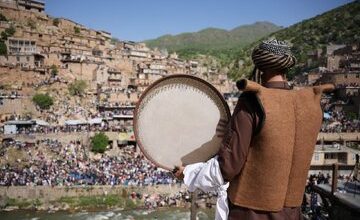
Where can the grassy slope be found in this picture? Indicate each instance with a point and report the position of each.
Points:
(219, 43)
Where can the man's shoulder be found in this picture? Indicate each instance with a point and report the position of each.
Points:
(250, 103)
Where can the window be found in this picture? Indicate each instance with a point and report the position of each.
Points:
(28, 59)
(18, 59)
(328, 156)
(317, 157)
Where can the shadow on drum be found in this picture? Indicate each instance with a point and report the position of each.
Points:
(208, 149)
(203, 153)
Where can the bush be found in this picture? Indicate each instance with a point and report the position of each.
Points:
(31, 24)
(77, 30)
(77, 87)
(10, 30)
(3, 18)
(54, 70)
(3, 48)
(8, 33)
(4, 36)
(99, 142)
(56, 22)
(44, 101)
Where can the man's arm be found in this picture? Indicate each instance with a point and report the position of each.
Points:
(235, 145)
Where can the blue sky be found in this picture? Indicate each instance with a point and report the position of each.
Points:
(146, 19)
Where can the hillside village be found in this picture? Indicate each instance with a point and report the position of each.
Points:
(46, 54)
(95, 80)
(62, 84)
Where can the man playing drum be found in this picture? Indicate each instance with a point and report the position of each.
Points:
(266, 152)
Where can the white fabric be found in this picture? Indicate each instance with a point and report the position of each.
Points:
(75, 122)
(95, 121)
(207, 177)
(41, 122)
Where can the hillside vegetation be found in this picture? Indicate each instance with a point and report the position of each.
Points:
(338, 26)
(220, 43)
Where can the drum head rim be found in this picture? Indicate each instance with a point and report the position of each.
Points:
(148, 89)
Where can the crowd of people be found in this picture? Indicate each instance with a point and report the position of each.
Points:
(344, 85)
(9, 95)
(335, 119)
(183, 196)
(68, 108)
(102, 122)
(47, 82)
(101, 127)
(159, 200)
(71, 165)
(338, 121)
(319, 178)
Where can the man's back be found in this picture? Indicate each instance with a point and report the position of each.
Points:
(280, 155)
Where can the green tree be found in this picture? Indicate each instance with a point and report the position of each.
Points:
(99, 142)
(4, 36)
(77, 30)
(8, 32)
(77, 87)
(3, 48)
(56, 22)
(54, 70)
(44, 101)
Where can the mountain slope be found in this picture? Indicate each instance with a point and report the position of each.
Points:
(338, 26)
(213, 41)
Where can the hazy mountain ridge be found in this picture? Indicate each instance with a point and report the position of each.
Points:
(213, 41)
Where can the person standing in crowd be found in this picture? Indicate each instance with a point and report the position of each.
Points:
(356, 170)
(266, 152)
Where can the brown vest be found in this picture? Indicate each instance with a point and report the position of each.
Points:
(278, 161)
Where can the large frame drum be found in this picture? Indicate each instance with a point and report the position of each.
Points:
(179, 120)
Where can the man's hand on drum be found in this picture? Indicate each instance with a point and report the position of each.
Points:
(178, 172)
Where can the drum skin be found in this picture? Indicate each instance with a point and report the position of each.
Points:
(180, 120)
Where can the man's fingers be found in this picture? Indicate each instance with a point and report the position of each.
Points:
(175, 170)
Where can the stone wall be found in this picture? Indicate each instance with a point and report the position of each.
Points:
(355, 136)
(47, 193)
(13, 13)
